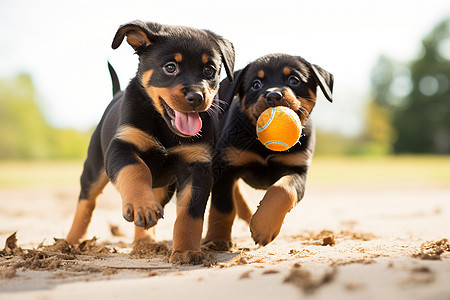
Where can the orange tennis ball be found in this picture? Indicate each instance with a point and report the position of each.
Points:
(278, 128)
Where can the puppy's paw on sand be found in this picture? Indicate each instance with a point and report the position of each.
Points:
(264, 228)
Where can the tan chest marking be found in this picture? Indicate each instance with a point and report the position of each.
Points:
(237, 157)
(298, 159)
(192, 153)
(143, 141)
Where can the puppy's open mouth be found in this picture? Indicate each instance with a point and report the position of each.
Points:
(187, 123)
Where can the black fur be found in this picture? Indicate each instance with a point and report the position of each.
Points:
(157, 46)
(114, 79)
(237, 129)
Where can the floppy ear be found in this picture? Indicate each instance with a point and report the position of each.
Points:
(226, 49)
(228, 89)
(325, 81)
(137, 33)
(227, 52)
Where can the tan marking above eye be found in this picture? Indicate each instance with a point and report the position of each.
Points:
(178, 57)
(286, 71)
(205, 58)
(261, 74)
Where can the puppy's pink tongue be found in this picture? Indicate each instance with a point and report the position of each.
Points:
(188, 123)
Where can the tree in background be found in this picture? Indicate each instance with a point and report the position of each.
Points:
(416, 97)
(378, 134)
(22, 125)
(24, 133)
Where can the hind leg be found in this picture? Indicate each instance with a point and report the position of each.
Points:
(194, 182)
(221, 215)
(92, 183)
(243, 210)
(144, 235)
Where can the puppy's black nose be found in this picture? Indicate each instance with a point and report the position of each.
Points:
(194, 99)
(274, 98)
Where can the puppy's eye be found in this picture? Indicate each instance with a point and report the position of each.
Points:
(293, 80)
(209, 71)
(256, 85)
(170, 68)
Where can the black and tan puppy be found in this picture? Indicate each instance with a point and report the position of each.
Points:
(272, 80)
(158, 134)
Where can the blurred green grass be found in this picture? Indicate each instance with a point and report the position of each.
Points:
(383, 169)
(346, 169)
(39, 173)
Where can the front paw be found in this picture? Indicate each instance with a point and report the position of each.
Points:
(143, 213)
(191, 257)
(264, 227)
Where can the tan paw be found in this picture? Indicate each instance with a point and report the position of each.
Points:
(191, 257)
(144, 214)
(265, 228)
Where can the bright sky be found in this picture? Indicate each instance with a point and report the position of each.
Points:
(65, 45)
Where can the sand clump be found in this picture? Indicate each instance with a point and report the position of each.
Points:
(92, 260)
(59, 255)
(145, 249)
(433, 250)
(10, 246)
(330, 238)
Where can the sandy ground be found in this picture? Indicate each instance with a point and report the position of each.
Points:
(373, 233)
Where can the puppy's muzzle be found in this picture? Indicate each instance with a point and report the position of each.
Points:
(194, 99)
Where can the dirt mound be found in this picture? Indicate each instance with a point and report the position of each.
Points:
(330, 238)
(60, 255)
(146, 249)
(433, 250)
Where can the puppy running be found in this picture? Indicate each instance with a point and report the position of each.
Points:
(157, 135)
(272, 80)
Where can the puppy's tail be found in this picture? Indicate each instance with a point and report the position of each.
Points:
(114, 79)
